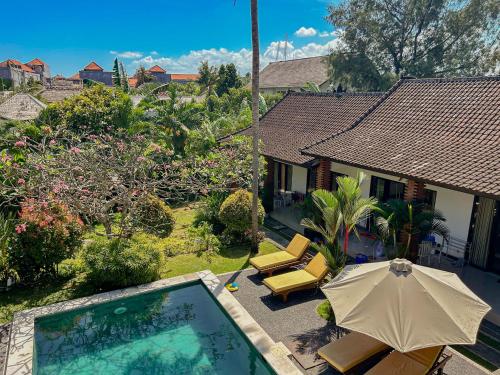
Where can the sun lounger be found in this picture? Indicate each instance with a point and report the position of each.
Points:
(309, 277)
(418, 362)
(351, 350)
(291, 256)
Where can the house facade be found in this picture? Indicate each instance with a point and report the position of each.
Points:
(94, 72)
(16, 73)
(432, 140)
(293, 75)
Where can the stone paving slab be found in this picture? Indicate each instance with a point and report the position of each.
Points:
(298, 318)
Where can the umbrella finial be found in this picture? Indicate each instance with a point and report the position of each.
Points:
(401, 265)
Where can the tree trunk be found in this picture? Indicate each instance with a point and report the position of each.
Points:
(346, 239)
(255, 124)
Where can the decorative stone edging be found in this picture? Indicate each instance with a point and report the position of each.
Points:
(20, 355)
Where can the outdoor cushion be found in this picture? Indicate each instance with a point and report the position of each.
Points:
(350, 350)
(398, 363)
(298, 245)
(272, 260)
(289, 280)
(317, 266)
(426, 356)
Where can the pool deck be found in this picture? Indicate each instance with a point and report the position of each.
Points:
(301, 330)
(20, 350)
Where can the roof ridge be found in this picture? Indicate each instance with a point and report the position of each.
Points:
(361, 118)
(337, 94)
(300, 58)
(452, 79)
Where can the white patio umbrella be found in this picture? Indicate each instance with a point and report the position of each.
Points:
(405, 305)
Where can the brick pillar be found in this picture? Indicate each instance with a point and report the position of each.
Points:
(323, 175)
(414, 191)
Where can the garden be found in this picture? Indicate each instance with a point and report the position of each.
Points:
(98, 194)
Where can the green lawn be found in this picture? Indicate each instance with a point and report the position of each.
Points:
(229, 259)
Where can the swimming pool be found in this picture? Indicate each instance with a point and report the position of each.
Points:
(177, 330)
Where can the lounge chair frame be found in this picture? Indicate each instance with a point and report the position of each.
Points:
(269, 270)
(284, 294)
(441, 361)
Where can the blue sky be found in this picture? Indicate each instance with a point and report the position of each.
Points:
(176, 34)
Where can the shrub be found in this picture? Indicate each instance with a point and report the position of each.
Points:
(154, 216)
(236, 212)
(69, 268)
(204, 241)
(209, 212)
(46, 234)
(118, 263)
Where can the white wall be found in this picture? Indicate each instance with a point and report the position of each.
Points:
(299, 179)
(454, 205)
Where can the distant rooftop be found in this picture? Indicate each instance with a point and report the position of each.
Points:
(295, 73)
(93, 67)
(157, 69)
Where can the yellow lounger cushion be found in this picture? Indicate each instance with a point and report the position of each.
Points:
(317, 266)
(349, 351)
(298, 245)
(418, 362)
(289, 280)
(272, 260)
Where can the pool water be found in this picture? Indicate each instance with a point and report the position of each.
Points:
(181, 330)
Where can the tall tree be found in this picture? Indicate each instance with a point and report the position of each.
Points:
(143, 76)
(208, 76)
(222, 84)
(116, 74)
(382, 39)
(255, 124)
(123, 78)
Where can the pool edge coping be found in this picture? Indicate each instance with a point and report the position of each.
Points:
(20, 346)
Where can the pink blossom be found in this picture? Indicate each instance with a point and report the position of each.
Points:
(21, 181)
(75, 150)
(141, 158)
(52, 142)
(20, 144)
(20, 228)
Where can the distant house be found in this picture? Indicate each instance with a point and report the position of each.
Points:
(159, 74)
(17, 73)
(95, 73)
(40, 68)
(21, 107)
(184, 78)
(293, 75)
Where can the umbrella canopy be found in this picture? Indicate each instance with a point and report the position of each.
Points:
(405, 305)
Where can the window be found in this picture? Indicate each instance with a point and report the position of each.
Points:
(384, 189)
(311, 179)
(333, 180)
(430, 198)
(283, 176)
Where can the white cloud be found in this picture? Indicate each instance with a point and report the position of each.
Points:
(153, 53)
(189, 63)
(305, 32)
(128, 54)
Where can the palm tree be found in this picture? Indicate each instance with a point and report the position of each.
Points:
(352, 205)
(255, 123)
(328, 206)
(412, 220)
(311, 87)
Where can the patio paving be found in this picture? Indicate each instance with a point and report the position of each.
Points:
(297, 321)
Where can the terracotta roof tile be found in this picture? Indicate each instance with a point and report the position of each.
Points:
(93, 67)
(75, 77)
(132, 82)
(35, 62)
(441, 131)
(184, 77)
(22, 66)
(303, 118)
(157, 69)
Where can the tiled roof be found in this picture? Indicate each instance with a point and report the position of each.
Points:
(19, 64)
(93, 67)
(132, 82)
(21, 107)
(303, 118)
(75, 77)
(157, 69)
(294, 73)
(441, 131)
(35, 62)
(184, 77)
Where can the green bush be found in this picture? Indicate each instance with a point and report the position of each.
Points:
(69, 268)
(236, 212)
(154, 216)
(204, 241)
(119, 263)
(46, 234)
(209, 211)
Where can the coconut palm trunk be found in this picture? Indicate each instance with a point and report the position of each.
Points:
(255, 123)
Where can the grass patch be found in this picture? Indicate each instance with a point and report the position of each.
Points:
(229, 259)
(479, 360)
(324, 310)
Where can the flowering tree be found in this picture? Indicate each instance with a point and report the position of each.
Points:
(99, 176)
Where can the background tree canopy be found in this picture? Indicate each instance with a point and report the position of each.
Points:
(382, 39)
